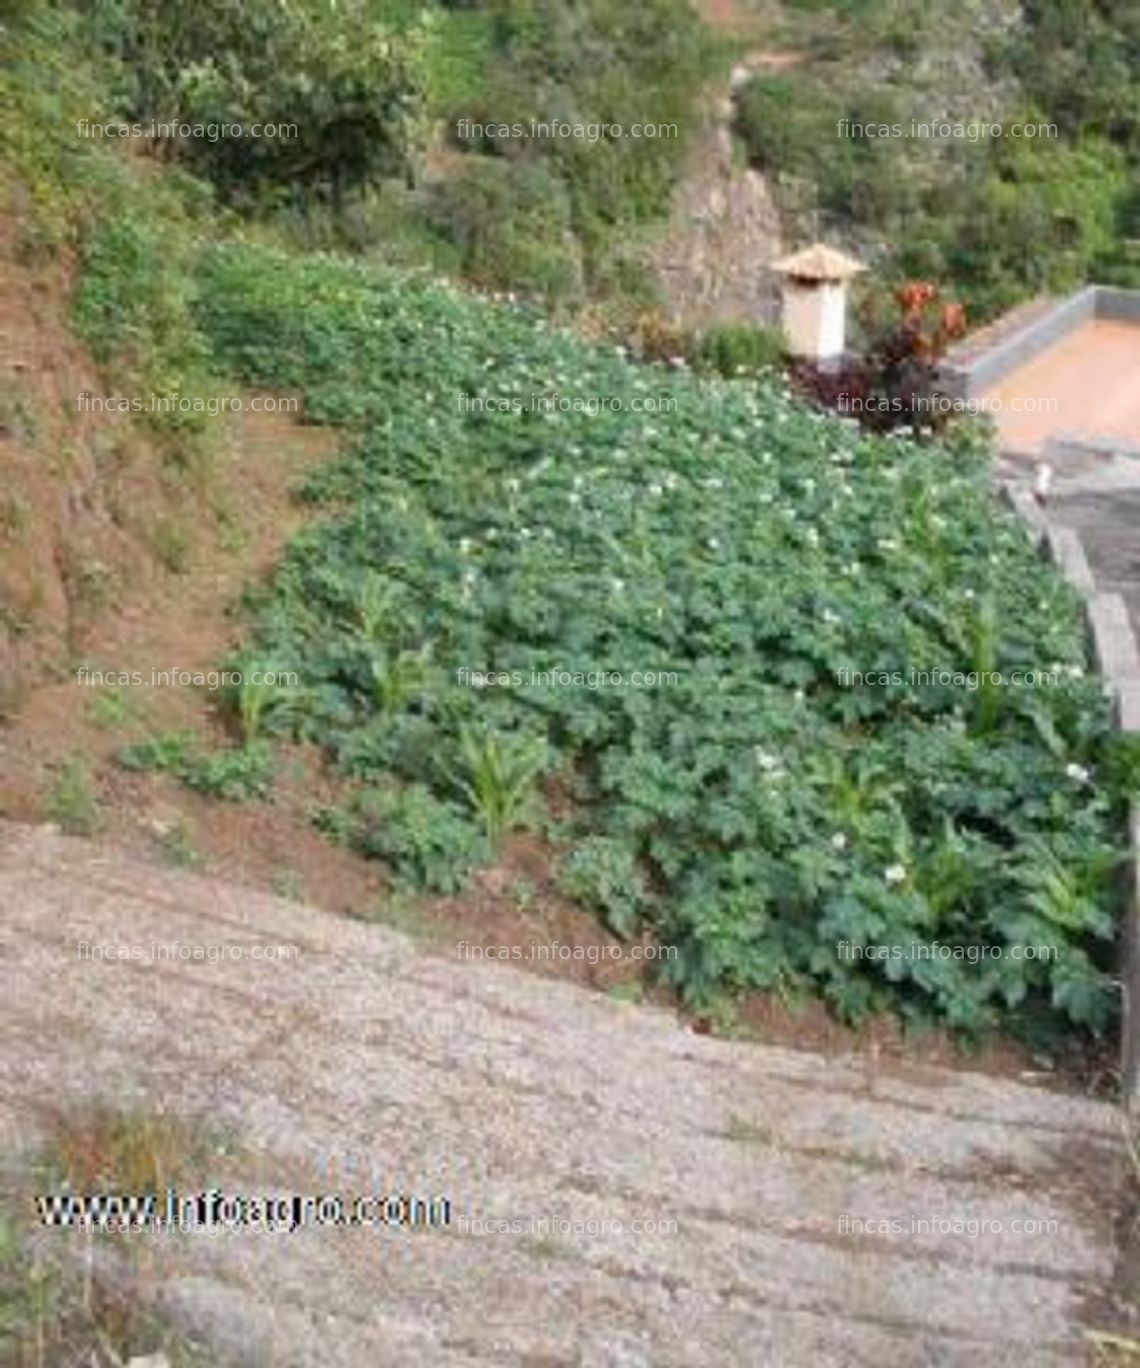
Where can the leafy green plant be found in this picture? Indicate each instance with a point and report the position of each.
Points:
(601, 873)
(338, 93)
(256, 696)
(236, 774)
(732, 349)
(71, 800)
(426, 841)
(498, 777)
(109, 709)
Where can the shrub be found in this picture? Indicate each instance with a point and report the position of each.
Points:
(602, 874)
(732, 349)
(236, 774)
(348, 90)
(426, 840)
(511, 225)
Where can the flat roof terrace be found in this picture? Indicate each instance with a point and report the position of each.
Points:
(1063, 377)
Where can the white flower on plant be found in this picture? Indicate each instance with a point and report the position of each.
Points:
(1075, 672)
(839, 841)
(574, 497)
(655, 488)
(830, 617)
(524, 533)
(1077, 773)
(798, 696)
(967, 593)
(887, 544)
(465, 546)
(812, 536)
(714, 482)
(765, 759)
(894, 874)
(713, 544)
(512, 485)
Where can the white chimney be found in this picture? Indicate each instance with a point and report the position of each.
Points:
(815, 302)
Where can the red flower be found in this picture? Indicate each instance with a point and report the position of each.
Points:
(953, 320)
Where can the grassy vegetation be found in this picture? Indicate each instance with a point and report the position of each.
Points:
(71, 800)
(58, 1303)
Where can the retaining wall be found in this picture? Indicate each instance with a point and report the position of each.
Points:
(968, 379)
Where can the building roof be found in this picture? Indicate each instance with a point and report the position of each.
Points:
(820, 263)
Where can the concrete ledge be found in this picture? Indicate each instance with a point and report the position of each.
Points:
(1114, 644)
(1028, 510)
(1112, 302)
(1128, 705)
(966, 378)
(1068, 555)
(1060, 445)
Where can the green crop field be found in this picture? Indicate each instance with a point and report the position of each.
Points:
(756, 807)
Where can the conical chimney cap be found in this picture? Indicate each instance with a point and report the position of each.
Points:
(818, 263)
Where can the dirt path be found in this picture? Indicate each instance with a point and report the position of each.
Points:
(522, 1100)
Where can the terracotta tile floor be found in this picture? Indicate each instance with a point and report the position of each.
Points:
(1087, 383)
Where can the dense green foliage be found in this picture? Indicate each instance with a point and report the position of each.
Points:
(753, 810)
(340, 92)
(588, 63)
(994, 219)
